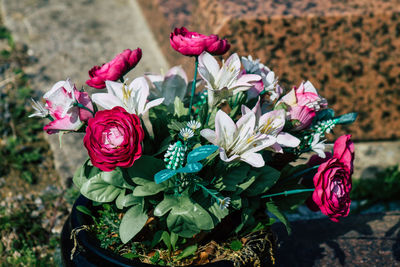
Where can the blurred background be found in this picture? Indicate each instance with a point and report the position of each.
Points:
(349, 50)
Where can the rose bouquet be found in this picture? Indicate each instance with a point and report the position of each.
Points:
(185, 164)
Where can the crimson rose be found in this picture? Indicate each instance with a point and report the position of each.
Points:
(193, 44)
(113, 138)
(333, 181)
(115, 69)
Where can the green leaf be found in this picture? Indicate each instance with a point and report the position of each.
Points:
(346, 118)
(124, 201)
(273, 208)
(165, 205)
(147, 188)
(84, 210)
(84, 172)
(173, 85)
(119, 201)
(163, 175)
(116, 178)
(179, 108)
(266, 178)
(132, 222)
(174, 239)
(166, 239)
(145, 167)
(185, 218)
(236, 245)
(242, 187)
(156, 238)
(188, 251)
(190, 168)
(201, 153)
(97, 189)
(176, 125)
(234, 177)
(164, 145)
(323, 115)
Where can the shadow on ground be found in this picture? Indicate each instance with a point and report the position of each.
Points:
(358, 240)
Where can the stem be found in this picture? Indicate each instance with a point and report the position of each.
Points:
(304, 172)
(79, 105)
(122, 79)
(193, 86)
(290, 192)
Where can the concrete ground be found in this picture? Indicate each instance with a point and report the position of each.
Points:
(67, 38)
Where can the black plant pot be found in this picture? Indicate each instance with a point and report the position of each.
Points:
(87, 249)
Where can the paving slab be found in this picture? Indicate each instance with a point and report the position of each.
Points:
(67, 38)
(357, 240)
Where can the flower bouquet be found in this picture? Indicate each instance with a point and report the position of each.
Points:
(195, 171)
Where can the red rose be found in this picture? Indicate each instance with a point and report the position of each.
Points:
(193, 44)
(333, 181)
(113, 138)
(115, 69)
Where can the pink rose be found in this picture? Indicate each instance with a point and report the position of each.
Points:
(60, 102)
(113, 138)
(115, 69)
(193, 44)
(333, 181)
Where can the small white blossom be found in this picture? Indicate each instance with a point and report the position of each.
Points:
(317, 146)
(224, 203)
(194, 125)
(40, 110)
(186, 133)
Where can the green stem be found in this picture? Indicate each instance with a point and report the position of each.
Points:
(193, 86)
(122, 79)
(79, 105)
(290, 192)
(304, 172)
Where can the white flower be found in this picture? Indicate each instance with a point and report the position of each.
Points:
(194, 125)
(186, 133)
(40, 110)
(269, 80)
(238, 141)
(317, 146)
(272, 123)
(224, 203)
(132, 98)
(226, 81)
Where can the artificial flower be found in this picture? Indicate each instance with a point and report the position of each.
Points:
(40, 110)
(115, 69)
(238, 141)
(186, 133)
(272, 123)
(268, 81)
(113, 139)
(194, 125)
(333, 181)
(132, 98)
(61, 103)
(193, 44)
(226, 81)
(169, 86)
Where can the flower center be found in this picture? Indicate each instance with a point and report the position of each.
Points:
(112, 138)
(337, 188)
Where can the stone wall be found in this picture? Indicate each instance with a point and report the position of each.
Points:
(349, 51)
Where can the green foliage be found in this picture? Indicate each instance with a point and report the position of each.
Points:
(385, 187)
(22, 145)
(185, 218)
(132, 222)
(236, 245)
(188, 251)
(179, 108)
(274, 209)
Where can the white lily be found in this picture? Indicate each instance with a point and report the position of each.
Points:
(225, 81)
(272, 123)
(318, 146)
(132, 98)
(238, 141)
